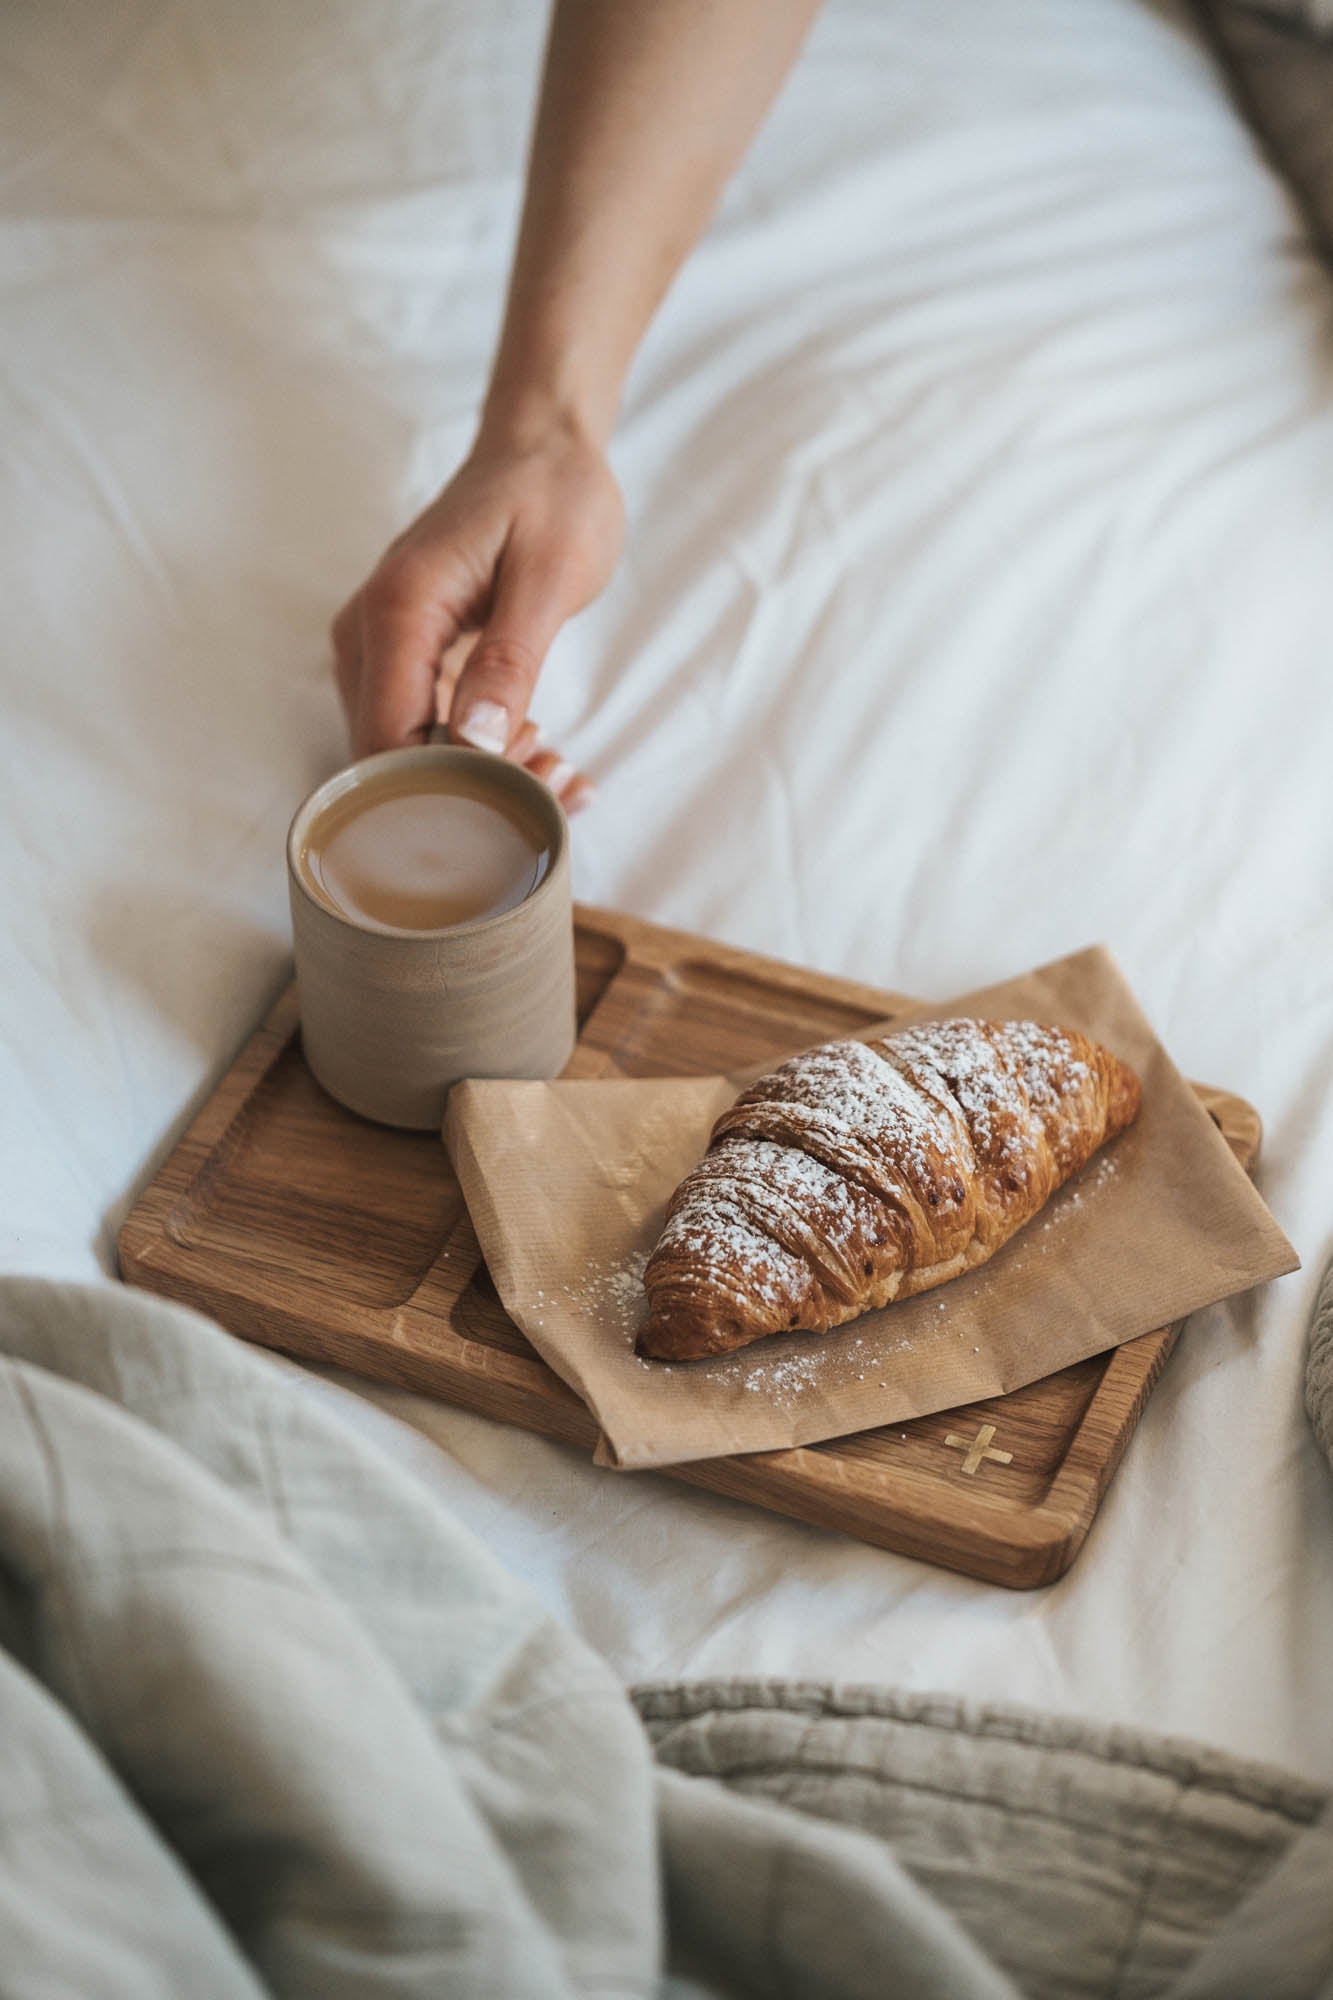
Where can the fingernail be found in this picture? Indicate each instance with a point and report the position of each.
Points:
(486, 727)
(559, 775)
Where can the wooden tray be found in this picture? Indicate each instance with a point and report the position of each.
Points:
(301, 1226)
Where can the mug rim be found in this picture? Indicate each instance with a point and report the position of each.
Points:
(339, 783)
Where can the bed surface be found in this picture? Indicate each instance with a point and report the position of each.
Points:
(979, 472)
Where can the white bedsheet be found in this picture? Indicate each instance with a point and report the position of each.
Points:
(980, 478)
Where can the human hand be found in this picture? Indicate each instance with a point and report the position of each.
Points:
(457, 617)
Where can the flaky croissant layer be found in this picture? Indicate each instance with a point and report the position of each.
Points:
(863, 1172)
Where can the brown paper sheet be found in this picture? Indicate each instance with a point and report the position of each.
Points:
(566, 1185)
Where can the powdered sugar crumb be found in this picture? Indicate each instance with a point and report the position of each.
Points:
(613, 1294)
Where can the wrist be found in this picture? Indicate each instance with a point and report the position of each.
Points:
(529, 419)
(536, 395)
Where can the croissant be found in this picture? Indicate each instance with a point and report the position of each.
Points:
(863, 1172)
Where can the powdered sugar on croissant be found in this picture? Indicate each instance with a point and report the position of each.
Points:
(863, 1172)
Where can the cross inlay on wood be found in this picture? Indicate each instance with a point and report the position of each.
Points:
(979, 1448)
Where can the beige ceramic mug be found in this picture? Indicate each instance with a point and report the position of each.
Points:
(391, 1017)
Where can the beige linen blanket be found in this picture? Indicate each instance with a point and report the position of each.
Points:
(271, 1724)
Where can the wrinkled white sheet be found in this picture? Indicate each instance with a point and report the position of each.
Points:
(980, 476)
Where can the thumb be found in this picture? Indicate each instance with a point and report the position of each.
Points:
(528, 608)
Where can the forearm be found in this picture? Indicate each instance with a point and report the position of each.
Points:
(646, 108)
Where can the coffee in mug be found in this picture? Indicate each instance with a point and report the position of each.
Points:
(424, 849)
(433, 928)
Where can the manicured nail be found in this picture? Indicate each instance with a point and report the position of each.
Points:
(559, 775)
(486, 727)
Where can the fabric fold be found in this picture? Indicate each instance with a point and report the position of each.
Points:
(274, 1725)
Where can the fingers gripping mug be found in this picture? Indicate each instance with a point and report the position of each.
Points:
(433, 929)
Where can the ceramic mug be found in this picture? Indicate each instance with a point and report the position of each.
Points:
(391, 1018)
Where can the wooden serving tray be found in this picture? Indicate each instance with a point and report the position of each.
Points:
(301, 1226)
